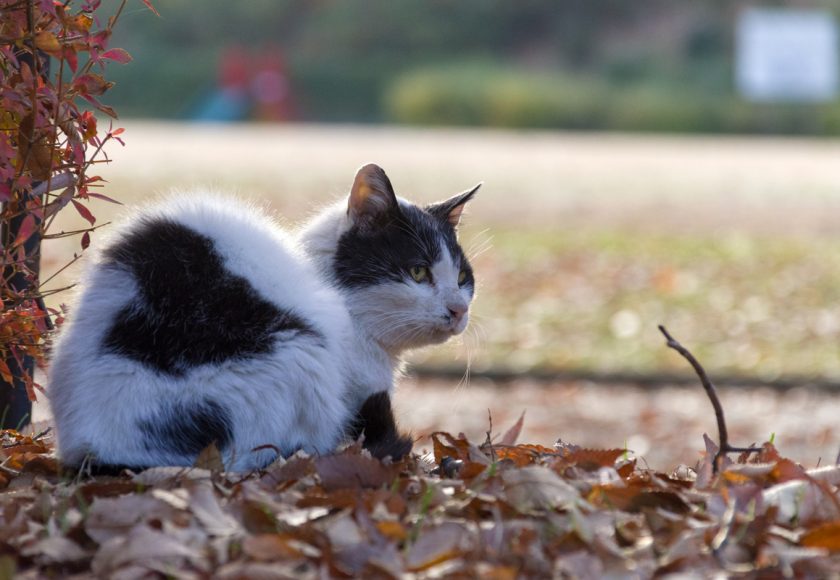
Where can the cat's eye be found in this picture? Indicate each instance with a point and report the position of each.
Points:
(419, 273)
(462, 277)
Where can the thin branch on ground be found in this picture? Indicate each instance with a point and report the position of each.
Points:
(723, 435)
(488, 443)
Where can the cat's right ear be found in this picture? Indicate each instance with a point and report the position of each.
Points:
(372, 198)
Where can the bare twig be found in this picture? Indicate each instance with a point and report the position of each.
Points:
(43, 433)
(723, 435)
(63, 234)
(489, 441)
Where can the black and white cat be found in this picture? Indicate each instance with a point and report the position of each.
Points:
(204, 322)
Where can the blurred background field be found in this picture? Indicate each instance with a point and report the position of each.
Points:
(628, 182)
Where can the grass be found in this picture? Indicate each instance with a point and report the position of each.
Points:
(592, 298)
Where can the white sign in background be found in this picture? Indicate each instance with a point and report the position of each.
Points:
(786, 55)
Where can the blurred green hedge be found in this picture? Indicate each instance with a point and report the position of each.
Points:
(485, 95)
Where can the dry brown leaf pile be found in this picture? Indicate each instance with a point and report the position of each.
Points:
(496, 510)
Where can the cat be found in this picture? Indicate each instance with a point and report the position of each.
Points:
(201, 321)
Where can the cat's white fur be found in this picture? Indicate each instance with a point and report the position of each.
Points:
(302, 394)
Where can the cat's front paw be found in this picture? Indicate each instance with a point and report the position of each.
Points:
(395, 447)
(375, 419)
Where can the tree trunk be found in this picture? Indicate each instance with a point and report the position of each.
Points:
(15, 406)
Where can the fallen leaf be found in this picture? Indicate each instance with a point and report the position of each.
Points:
(205, 507)
(435, 545)
(210, 459)
(106, 488)
(263, 571)
(518, 455)
(823, 536)
(169, 476)
(592, 459)
(110, 517)
(292, 470)
(512, 434)
(800, 501)
(342, 471)
(392, 529)
(148, 548)
(55, 550)
(269, 547)
(634, 499)
(537, 488)
(445, 445)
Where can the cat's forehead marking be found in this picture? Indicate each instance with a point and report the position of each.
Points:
(445, 269)
(414, 237)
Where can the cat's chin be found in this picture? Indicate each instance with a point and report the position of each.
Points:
(431, 337)
(440, 335)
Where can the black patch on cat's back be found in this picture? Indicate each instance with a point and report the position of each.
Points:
(191, 310)
(186, 429)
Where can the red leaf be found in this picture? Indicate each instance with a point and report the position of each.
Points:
(148, 4)
(88, 125)
(117, 55)
(27, 228)
(104, 198)
(47, 6)
(85, 240)
(104, 108)
(5, 372)
(71, 58)
(84, 212)
(91, 84)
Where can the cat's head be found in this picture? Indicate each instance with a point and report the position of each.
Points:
(407, 279)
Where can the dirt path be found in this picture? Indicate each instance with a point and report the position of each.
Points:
(665, 426)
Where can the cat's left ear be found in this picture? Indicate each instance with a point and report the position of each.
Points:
(372, 199)
(451, 209)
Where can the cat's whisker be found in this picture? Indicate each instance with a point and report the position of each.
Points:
(482, 242)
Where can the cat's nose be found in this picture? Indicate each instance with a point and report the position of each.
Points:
(457, 311)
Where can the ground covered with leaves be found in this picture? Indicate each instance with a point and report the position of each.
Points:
(493, 510)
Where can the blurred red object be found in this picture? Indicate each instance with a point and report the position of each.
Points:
(270, 87)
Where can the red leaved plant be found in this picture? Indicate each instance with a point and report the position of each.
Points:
(53, 58)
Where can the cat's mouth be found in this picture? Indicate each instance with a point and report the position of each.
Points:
(450, 327)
